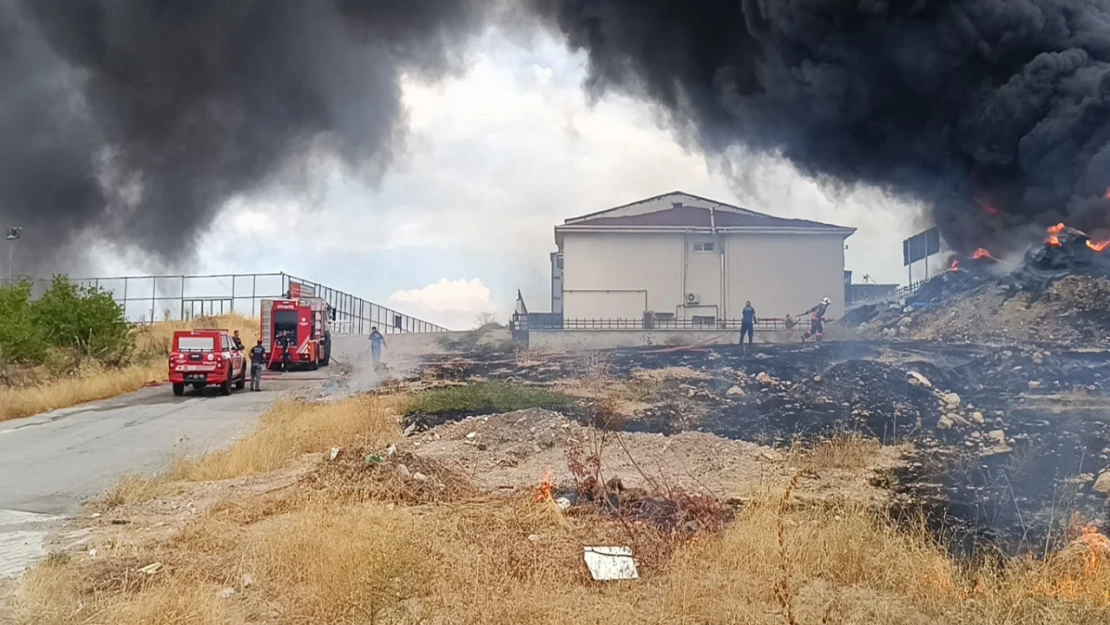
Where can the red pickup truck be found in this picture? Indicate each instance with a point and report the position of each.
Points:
(206, 358)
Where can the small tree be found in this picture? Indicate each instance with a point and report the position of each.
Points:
(85, 319)
(20, 338)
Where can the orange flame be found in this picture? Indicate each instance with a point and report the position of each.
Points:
(990, 210)
(1053, 237)
(982, 253)
(1107, 196)
(546, 489)
(1098, 547)
(955, 266)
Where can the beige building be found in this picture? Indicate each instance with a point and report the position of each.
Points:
(689, 258)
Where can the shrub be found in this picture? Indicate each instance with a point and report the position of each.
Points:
(84, 321)
(20, 338)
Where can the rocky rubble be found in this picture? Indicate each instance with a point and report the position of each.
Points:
(979, 407)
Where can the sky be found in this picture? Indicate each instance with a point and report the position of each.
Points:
(495, 157)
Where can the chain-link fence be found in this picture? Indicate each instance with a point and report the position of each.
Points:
(145, 299)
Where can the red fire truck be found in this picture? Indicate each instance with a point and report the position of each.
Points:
(295, 333)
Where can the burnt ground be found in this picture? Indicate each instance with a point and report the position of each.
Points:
(1007, 442)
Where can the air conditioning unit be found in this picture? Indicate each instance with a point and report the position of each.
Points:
(692, 299)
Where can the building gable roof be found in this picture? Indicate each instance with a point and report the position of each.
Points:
(684, 211)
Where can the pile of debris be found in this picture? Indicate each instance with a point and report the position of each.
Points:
(1055, 295)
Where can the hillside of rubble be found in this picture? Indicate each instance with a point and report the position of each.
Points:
(1070, 311)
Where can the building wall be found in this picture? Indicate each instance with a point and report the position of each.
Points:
(557, 282)
(620, 275)
(703, 277)
(783, 273)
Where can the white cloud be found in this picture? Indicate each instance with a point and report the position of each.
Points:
(455, 304)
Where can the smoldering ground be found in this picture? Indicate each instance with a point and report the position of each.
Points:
(136, 121)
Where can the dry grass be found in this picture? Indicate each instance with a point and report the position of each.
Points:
(315, 555)
(92, 382)
(158, 337)
(317, 561)
(293, 428)
(843, 451)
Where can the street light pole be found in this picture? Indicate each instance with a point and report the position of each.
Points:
(14, 235)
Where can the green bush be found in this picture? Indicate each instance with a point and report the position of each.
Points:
(84, 321)
(20, 338)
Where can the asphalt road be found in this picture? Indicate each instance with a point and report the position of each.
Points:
(51, 463)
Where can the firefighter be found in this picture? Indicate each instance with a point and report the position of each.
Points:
(238, 341)
(377, 341)
(258, 361)
(747, 323)
(285, 342)
(817, 321)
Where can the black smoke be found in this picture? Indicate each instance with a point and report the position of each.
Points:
(995, 112)
(135, 121)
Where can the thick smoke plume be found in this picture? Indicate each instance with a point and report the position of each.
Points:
(136, 120)
(996, 112)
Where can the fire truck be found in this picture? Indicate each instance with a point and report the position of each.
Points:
(295, 333)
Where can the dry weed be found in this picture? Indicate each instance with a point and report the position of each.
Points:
(502, 561)
(848, 450)
(293, 428)
(92, 384)
(360, 475)
(134, 488)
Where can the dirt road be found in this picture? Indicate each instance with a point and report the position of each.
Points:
(51, 463)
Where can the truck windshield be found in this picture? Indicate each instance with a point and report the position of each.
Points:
(196, 344)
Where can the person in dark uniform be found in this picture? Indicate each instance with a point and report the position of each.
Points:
(747, 323)
(817, 320)
(285, 342)
(258, 362)
(238, 341)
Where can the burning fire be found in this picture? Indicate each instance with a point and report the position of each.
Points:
(1098, 245)
(1098, 547)
(1053, 237)
(546, 489)
(982, 253)
(1095, 548)
(955, 265)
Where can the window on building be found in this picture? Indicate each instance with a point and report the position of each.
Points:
(703, 246)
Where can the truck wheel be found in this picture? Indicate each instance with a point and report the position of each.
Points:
(178, 389)
(242, 381)
(314, 366)
(225, 387)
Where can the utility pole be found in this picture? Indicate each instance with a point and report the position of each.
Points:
(14, 235)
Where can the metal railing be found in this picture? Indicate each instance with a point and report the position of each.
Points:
(146, 299)
(526, 322)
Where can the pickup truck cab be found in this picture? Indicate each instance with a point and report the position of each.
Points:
(206, 358)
